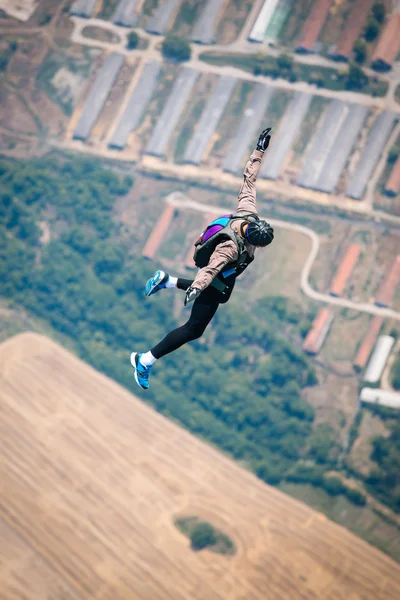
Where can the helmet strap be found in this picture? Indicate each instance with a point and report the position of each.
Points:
(247, 237)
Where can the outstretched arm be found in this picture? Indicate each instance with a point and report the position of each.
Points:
(247, 193)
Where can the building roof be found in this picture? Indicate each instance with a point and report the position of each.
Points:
(322, 143)
(383, 397)
(340, 151)
(388, 287)
(98, 94)
(204, 31)
(137, 104)
(388, 45)
(345, 268)
(163, 14)
(392, 187)
(313, 25)
(352, 29)
(378, 359)
(368, 343)
(248, 128)
(83, 8)
(264, 16)
(318, 332)
(172, 110)
(371, 153)
(282, 141)
(125, 13)
(158, 232)
(209, 119)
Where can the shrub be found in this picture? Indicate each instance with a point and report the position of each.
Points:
(176, 48)
(355, 496)
(203, 535)
(307, 474)
(371, 30)
(378, 11)
(395, 374)
(356, 78)
(133, 40)
(285, 62)
(360, 51)
(333, 485)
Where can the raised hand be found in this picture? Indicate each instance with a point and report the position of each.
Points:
(263, 140)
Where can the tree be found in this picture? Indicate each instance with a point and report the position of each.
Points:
(356, 78)
(378, 11)
(203, 535)
(333, 485)
(133, 40)
(176, 48)
(356, 497)
(360, 51)
(395, 374)
(285, 62)
(392, 156)
(372, 29)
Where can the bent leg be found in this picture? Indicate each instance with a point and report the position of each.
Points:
(184, 284)
(203, 310)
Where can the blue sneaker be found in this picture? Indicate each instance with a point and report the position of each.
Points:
(157, 282)
(141, 372)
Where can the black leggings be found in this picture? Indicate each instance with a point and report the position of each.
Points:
(203, 310)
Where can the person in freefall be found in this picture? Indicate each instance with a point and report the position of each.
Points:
(222, 252)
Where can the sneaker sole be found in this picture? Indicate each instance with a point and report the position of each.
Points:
(149, 293)
(133, 363)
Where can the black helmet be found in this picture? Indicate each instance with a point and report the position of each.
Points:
(259, 233)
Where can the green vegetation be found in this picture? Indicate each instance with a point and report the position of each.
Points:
(360, 51)
(133, 40)
(239, 387)
(332, 484)
(374, 21)
(394, 152)
(176, 48)
(48, 69)
(395, 374)
(384, 481)
(107, 10)
(365, 521)
(101, 33)
(6, 55)
(379, 11)
(351, 78)
(204, 535)
(397, 94)
(186, 17)
(372, 29)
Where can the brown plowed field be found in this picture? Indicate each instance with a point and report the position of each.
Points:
(92, 479)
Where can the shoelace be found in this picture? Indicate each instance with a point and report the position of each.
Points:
(142, 370)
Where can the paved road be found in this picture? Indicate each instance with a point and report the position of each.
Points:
(179, 200)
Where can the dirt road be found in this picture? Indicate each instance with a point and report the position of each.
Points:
(179, 200)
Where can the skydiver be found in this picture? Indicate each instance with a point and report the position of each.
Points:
(223, 251)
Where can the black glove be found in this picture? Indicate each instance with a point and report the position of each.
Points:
(191, 294)
(263, 140)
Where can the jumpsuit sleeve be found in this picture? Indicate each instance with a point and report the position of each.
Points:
(223, 254)
(247, 193)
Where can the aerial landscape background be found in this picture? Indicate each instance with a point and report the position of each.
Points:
(263, 462)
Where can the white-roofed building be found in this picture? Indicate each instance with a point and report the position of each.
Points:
(381, 397)
(378, 359)
(264, 17)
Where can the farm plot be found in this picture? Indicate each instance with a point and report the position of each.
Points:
(110, 476)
